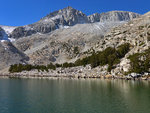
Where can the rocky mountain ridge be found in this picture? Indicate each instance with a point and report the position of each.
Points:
(112, 16)
(69, 17)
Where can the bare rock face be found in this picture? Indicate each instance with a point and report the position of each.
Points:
(10, 55)
(94, 18)
(3, 35)
(113, 16)
(67, 17)
(21, 31)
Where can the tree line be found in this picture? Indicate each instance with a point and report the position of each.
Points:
(140, 62)
(110, 56)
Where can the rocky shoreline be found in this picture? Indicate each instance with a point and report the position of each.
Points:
(19, 76)
(75, 73)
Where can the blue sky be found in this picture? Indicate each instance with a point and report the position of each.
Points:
(22, 12)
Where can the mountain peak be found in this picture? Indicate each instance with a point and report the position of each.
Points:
(65, 11)
(69, 7)
(67, 16)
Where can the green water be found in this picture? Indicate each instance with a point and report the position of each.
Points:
(74, 96)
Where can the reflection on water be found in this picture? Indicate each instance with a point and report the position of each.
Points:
(74, 96)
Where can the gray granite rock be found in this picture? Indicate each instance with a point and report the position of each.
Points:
(70, 17)
(9, 55)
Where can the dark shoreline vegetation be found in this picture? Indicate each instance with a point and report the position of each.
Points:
(140, 62)
(110, 56)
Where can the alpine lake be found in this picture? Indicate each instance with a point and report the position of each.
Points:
(74, 96)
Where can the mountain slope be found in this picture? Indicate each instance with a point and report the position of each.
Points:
(58, 46)
(136, 33)
(9, 55)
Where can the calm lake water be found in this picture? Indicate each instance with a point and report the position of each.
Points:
(74, 96)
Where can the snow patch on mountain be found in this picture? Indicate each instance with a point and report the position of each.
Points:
(4, 34)
(11, 39)
(56, 17)
(8, 29)
(5, 31)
